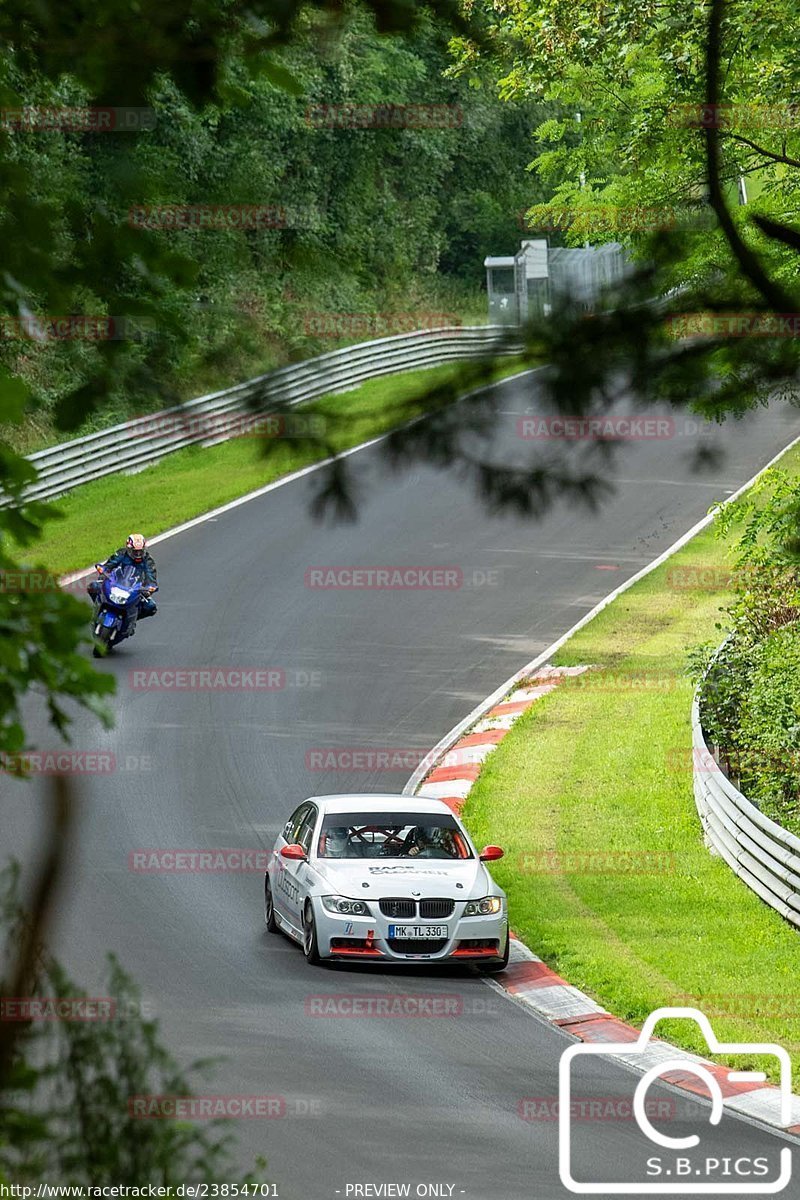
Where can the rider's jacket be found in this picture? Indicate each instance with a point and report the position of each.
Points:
(145, 570)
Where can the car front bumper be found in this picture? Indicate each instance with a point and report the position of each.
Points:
(469, 939)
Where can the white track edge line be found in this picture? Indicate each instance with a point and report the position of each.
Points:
(483, 707)
(213, 513)
(528, 1001)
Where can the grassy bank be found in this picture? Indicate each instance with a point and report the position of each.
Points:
(636, 911)
(255, 349)
(97, 516)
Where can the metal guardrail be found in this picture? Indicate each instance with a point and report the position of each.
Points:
(136, 444)
(764, 855)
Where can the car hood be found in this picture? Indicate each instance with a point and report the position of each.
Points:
(391, 877)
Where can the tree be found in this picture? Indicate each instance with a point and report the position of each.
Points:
(668, 99)
(68, 1088)
(368, 219)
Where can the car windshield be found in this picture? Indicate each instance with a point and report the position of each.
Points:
(391, 835)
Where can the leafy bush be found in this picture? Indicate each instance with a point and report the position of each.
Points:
(66, 1086)
(769, 723)
(750, 694)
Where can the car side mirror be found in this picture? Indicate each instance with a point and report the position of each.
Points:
(490, 853)
(294, 851)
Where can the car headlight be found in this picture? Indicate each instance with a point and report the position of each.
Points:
(350, 908)
(483, 908)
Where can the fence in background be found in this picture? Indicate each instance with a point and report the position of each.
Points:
(136, 444)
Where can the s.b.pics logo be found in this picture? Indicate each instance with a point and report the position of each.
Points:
(690, 1151)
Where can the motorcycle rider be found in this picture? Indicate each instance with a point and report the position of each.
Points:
(133, 554)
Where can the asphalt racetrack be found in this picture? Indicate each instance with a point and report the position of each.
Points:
(366, 1100)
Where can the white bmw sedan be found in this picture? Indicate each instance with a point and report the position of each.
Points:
(385, 879)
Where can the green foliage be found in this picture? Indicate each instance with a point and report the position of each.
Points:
(632, 71)
(368, 221)
(640, 167)
(768, 735)
(64, 1107)
(594, 769)
(750, 696)
(766, 520)
(43, 632)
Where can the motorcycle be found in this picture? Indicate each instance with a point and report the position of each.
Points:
(117, 607)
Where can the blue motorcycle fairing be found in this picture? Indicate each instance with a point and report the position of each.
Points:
(127, 579)
(118, 603)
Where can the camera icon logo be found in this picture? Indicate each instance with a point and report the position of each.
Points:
(675, 1172)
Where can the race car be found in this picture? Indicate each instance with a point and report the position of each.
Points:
(385, 879)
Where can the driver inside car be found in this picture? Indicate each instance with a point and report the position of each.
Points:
(335, 843)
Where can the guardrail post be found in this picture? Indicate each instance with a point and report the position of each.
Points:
(134, 445)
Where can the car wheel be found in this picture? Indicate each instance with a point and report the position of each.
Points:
(493, 968)
(310, 947)
(269, 908)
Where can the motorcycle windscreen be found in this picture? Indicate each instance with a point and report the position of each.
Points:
(126, 577)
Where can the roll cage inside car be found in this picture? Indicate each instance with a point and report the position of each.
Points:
(392, 835)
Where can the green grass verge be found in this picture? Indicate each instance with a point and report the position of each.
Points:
(605, 766)
(98, 516)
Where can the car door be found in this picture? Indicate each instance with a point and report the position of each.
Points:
(283, 880)
(298, 872)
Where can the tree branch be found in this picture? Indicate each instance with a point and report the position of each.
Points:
(781, 233)
(781, 158)
(38, 914)
(750, 264)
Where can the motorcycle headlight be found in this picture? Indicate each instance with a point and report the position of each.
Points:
(483, 908)
(340, 904)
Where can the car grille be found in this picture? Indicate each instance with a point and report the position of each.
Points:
(398, 908)
(416, 945)
(402, 909)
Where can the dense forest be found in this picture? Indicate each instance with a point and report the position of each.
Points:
(281, 219)
(231, 200)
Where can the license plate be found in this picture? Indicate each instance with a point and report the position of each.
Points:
(418, 931)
